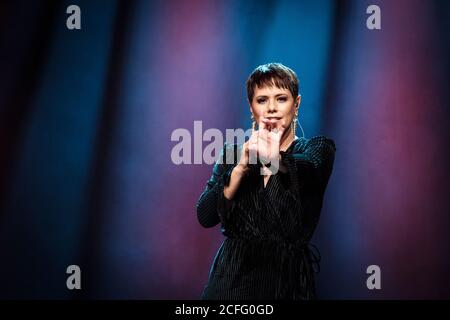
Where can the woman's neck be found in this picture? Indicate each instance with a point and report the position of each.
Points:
(287, 140)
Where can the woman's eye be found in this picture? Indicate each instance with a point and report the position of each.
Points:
(260, 101)
(282, 99)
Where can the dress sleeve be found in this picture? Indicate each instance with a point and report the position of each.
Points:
(311, 167)
(212, 206)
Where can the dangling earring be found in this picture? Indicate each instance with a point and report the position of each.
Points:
(253, 122)
(294, 122)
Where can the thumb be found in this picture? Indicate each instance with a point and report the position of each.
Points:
(279, 131)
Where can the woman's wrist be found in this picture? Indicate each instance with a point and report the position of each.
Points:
(237, 174)
(239, 170)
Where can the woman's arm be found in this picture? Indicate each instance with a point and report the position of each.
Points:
(241, 170)
(308, 174)
(236, 177)
(212, 206)
(313, 166)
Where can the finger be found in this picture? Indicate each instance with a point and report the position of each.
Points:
(262, 125)
(281, 128)
(254, 137)
(252, 153)
(279, 131)
(253, 141)
(243, 153)
(245, 147)
(273, 123)
(268, 123)
(262, 134)
(246, 153)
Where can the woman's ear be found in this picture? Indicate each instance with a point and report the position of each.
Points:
(250, 107)
(298, 101)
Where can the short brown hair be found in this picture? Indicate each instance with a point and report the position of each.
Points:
(272, 74)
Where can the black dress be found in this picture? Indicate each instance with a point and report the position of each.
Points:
(266, 252)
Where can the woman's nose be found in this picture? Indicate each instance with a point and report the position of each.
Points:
(272, 105)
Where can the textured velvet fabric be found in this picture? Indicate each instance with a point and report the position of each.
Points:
(266, 253)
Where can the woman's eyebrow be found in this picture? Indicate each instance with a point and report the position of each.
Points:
(279, 94)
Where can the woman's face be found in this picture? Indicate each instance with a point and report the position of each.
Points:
(276, 104)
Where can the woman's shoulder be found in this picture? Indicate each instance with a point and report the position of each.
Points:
(320, 141)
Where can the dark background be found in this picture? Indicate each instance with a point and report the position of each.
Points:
(86, 117)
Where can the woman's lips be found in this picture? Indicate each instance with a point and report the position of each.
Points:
(272, 122)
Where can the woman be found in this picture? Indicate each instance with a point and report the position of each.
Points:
(268, 219)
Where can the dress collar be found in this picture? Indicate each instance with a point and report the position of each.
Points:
(292, 145)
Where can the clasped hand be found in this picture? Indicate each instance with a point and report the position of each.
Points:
(264, 144)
